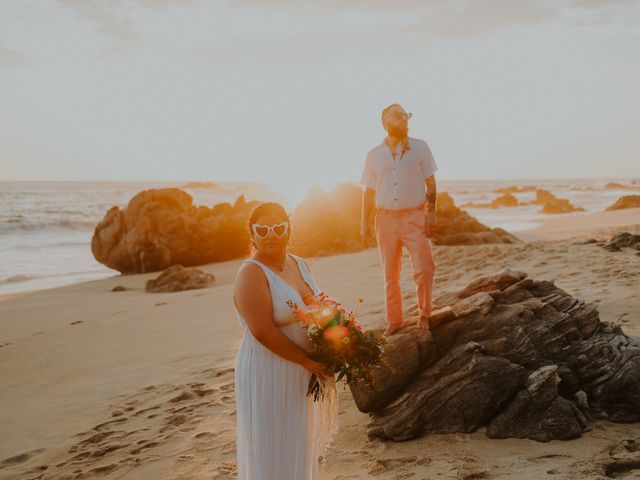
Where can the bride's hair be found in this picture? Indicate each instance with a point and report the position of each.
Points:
(264, 209)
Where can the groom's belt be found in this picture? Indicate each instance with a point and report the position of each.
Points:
(401, 211)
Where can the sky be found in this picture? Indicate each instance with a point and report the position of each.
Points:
(289, 93)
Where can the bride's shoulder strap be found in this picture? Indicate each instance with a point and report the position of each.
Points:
(260, 264)
(301, 261)
(304, 268)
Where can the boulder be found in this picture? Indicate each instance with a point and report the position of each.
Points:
(329, 223)
(626, 201)
(505, 200)
(622, 240)
(621, 186)
(457, 227)
(539, 412)
(551, 204)
(177, 278)
(520, 356)
(162, 227)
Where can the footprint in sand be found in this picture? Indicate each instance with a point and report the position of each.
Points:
(20, 458)
(381, 465)
(547, 456)
(198, 413)
(205, 436)
(145, 410)
(469, 475)
(76, 322)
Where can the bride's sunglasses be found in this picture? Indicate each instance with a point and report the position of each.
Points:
(279, 229)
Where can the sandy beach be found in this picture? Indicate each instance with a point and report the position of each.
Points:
(133, 385)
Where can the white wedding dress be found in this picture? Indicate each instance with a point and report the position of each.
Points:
(280, 431)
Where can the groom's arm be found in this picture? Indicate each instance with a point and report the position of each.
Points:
(368, 200)
(368, 204)
(430, 185)
(430, 213)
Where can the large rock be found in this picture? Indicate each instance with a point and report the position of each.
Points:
(622, 240)
(505, 200)
(538, 412)
(177, 278)
(329, 223)
(518, 355)
(406, 353)
(552, 204)
(457, 227)
(622, 186)
(162, 227)
(626, 201)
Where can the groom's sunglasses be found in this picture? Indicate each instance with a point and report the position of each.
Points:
(279, 229)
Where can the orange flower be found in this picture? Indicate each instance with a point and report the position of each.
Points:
(336, 334)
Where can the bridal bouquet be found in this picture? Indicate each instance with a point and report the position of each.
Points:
(338, 341)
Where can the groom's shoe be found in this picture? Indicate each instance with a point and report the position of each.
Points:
(391, 329)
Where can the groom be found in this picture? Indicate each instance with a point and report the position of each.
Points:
(395, 175)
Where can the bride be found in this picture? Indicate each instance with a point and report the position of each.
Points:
(280, 431)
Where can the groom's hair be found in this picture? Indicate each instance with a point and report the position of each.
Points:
(384, 112)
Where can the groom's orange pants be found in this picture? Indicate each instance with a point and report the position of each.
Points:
(395, 228)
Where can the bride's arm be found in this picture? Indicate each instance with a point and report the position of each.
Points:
(253, 300)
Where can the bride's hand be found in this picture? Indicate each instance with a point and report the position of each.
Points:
(319, 368)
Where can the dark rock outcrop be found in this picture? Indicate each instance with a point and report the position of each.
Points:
(520, 356)
(539, 413)
(177, 278)
(622, 240)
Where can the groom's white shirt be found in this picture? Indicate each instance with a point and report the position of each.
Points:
(399, 182)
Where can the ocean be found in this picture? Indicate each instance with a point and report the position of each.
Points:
(46, 227)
